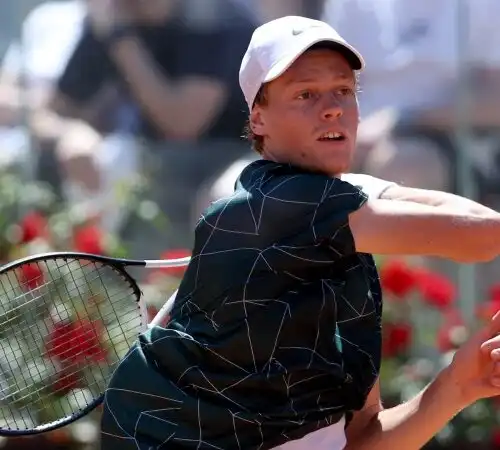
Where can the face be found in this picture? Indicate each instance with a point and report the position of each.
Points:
(310, 117)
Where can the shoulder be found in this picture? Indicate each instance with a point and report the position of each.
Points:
(291, 185)
(55, 12)
(52, 16)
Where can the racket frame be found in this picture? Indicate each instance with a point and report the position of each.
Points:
(120, 265)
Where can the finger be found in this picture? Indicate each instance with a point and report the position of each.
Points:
(490, 345)
(495, 354)
(494, 325)
(495, 381)
(490, 330)
(496, 369)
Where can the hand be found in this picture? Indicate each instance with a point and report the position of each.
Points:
(475, 368)
(104, 15)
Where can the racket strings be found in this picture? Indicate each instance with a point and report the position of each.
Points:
(132, 312)
(64, 325)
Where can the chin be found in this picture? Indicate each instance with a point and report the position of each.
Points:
(336, 163)
(335, 170)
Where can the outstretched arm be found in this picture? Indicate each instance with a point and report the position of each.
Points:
(388, 190)
(434, 198)
(446, 230)
(473, 374)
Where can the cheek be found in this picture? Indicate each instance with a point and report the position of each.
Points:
(299, 122)
(286, 127)
(351, 111)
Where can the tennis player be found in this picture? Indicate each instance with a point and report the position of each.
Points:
(275, 337)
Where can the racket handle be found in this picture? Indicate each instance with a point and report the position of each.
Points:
(164, 311)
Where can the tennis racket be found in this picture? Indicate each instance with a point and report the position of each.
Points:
(66, 321)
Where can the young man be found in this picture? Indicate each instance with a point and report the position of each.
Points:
(275, 335)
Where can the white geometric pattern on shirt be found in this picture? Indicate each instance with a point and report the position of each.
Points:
(213, 306)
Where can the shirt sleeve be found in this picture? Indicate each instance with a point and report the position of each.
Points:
(373, 187)
(88, 68)
(217, 53)
(279, 220)
(304, 210)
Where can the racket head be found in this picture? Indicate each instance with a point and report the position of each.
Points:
(66, 321)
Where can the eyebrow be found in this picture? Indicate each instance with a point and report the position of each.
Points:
(339, 76)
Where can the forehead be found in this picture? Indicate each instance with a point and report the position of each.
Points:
(318, 64)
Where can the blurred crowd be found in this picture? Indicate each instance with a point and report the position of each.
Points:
(165, 102)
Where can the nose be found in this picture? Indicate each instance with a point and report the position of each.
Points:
(331, 108)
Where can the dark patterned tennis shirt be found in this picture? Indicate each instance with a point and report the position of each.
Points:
(276, 329)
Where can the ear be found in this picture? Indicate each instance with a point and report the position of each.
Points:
(257, 121)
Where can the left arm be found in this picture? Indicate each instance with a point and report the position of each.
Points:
(409, 425)
(473, 374)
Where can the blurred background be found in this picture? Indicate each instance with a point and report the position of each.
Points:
(118, 152)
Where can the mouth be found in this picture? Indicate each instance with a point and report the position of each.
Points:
(333, 136)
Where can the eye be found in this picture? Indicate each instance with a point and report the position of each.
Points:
(305, 95)
(346, 91)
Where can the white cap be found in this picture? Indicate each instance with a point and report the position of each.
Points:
(276, 45)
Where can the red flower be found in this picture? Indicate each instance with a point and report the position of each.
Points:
(436, 289)
(33, 226)
(397, 278)
(175, 254)
(30, 276)
(396, 339)
(74, 342)
(88, 239)
(494, 292)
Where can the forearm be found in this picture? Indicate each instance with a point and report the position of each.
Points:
(437, 198)
(395, 227)
(153, 90)
(412, 424)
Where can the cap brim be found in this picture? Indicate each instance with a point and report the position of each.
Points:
(354, 58)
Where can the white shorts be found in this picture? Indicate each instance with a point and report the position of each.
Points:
(328, 438)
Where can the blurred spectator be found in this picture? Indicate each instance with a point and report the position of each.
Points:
(11, 20)
(48, 37)
(410, 50)
(174, 72)
(177, 79)
(412, 53)
(28, 72)
(414, 69)
(266, 10)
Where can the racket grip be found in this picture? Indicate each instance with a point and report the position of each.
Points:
(163, 312)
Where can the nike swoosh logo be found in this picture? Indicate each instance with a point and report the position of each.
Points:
(297, 32)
